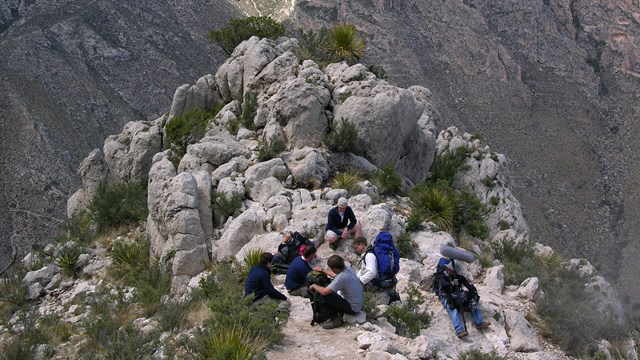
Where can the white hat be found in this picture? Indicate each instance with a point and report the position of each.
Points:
(342, 202)
(449, 265)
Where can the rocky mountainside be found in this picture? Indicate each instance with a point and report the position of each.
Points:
(552, 84)
(78, 304)
(73, 72)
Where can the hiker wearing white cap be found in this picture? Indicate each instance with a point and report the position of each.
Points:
(341, 222)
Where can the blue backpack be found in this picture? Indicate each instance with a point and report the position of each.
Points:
(388, 259)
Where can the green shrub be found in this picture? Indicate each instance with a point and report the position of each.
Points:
(408, 319)
(348, 180)
(251, 259)
(272, 148)
(519, 261)
(387, 180)
(479, 355)
(12, 295)
(345, 43)
(312, 45)
(237, 30)
(119, 204)
(225, 294)
(128, 260)
(404, 245)
(495, 200)
(414, 220)
(435, 205)
(77, 229)
(67, 260)
(224, 205)
(378, 71)
(182, 131)
(488, 182)
(343, 138)
(370, 306)
(249, 110)
(23, 345)
(172, 314)
(470, 214)
(232, 343)
(447, 164)
(503, 225)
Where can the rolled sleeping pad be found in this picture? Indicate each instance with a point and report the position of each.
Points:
(457, 253)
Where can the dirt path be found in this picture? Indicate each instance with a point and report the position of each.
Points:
(303, 341)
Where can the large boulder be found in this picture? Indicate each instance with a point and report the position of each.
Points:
(203, 95)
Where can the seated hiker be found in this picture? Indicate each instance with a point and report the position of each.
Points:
(370, 276)
(344, 295)
(448, 287)
(259, 284)
(341, 222)
(296, 280)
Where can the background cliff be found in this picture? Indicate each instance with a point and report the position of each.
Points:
(552, 84)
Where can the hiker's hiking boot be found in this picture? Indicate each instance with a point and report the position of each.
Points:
(336, 322)
(483, 325)
(462, 334)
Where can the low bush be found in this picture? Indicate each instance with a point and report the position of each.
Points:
(271, 148)
(312, 46)
(348, 180)
(182, 131)
(405, 246)
(447, 164)
(12, 295)
(224, 205)
(249, 110)
(479, 355)
(387, 180)
(119, 204)
(343, 138)
(77, 228)
(239, 29)
(409, 319)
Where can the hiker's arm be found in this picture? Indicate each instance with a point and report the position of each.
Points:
(352, 218)
(324, 291)
(370, 270)
(328, 272)
(270, 290)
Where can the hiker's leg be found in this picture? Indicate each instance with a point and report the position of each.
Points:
(331, 236)
(356, 231)
(453, 314)
(296, 292)
(338, 303)
(476, 314)
(284, 306)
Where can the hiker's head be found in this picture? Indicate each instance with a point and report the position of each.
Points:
(360, 245)
(449, 268)
(342, 204)
(335, 263)
(309, 252)
(266, 258)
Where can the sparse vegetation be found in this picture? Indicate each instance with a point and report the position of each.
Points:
(348, 180)
(404, 245)
(479, 355)
(249, 110)
(343, 138)
(189, 128)
(119, 204)
(312, 46)
(237, 30)
(409, 318)
(447, 164)
(378, 71)
(225, 205)
(271, 148)
(387, 180)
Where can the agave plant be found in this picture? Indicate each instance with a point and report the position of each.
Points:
(345, 43)
(437, 206)
(348, 180)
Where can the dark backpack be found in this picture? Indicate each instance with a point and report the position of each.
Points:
(292, 246)
(388, 260)
(321, 312)
(440, 272)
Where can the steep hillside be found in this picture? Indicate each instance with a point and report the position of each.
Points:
(552, 84)
(73, 72)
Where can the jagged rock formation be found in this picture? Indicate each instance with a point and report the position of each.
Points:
(180, 220)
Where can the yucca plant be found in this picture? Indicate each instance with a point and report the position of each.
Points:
(67, 260)
(387, 180)
(251, 259)
(312, 46)
(129, 259)
(345, 43)
(447, 164)
(437, 206)
(348, 180)
(231, 343)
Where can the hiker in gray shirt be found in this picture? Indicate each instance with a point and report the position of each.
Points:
(344, 295)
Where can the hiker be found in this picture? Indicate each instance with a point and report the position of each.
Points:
(296, 280)
(344, 295)
(455, 300)
(369, 275)
(341, 222)
(259, 284)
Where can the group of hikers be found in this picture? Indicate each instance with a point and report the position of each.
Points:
(344, 293)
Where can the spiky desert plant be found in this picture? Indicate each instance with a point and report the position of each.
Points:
(387, 180)
(345, 43)
(348, 180)
(437, 206)
(233, 343)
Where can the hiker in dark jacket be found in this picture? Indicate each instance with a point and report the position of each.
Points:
(259, 284)
(454, 299)
(296, 280)
(341, 222)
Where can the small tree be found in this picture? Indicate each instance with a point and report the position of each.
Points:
(237, 30)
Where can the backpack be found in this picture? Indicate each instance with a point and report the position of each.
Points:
(388, 260)
(292, 246)
(321, 312)
(440, 272)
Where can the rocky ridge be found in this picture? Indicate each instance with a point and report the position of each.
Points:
(179, 218)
